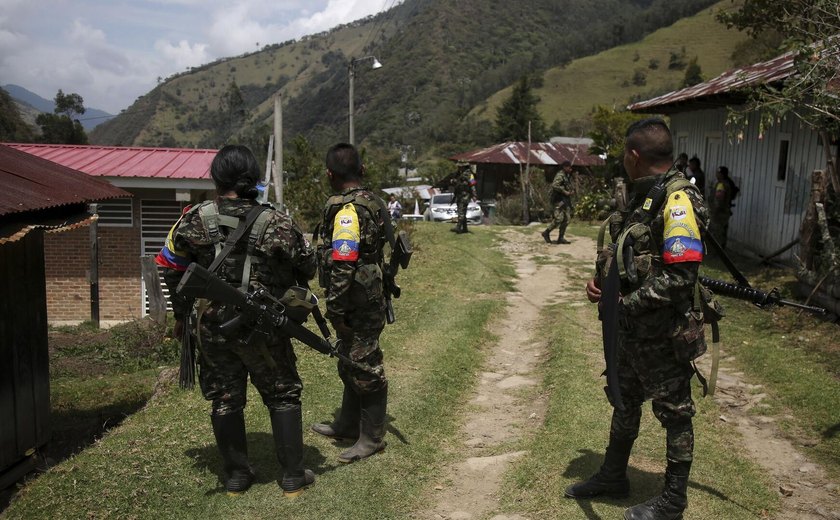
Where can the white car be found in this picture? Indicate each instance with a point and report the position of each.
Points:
(442, 208)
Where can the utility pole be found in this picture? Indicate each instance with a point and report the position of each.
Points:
(278, 152)
(352, 75)
(526, 181)
(94, 267)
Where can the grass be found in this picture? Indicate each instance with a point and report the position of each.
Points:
(570, 92)
(162, 461)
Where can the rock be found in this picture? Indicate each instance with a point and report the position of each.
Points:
(786, 490)
(766, 420)
(723, 418)
(532, 416)
(474, 443)
(438, 488)
(831, 486)
(807, 467)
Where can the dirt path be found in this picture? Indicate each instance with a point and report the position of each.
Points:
(506, 404)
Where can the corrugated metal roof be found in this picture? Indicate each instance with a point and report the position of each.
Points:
(731, 81)
(31, 183)
(117, 161)
(540, 154)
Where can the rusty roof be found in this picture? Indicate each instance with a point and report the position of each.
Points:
(31, 183)
(134, 161)
(516, 152)
(708, 93)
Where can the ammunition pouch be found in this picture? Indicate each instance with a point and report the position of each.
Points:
(367, 285)
(298, 302)
(691, 342)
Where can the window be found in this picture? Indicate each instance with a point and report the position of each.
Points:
(781, 172)
(116, 213)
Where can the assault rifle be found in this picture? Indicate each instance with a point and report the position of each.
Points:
(400, 257)
(261, 313)
(756, 296)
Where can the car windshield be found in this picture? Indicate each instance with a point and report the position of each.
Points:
(445, 198)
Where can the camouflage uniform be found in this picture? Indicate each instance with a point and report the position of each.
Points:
(561, 198)
(351, 267)
(279, 258)
(463, 186)
(657, 333)
(721, 210)
(353, 287)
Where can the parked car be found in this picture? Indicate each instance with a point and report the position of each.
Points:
(442, 208)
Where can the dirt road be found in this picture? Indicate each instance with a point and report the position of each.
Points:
(507, 405)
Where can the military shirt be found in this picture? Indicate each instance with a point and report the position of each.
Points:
(561, 188)
(667, 253)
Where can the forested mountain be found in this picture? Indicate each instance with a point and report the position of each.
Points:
(440, 57)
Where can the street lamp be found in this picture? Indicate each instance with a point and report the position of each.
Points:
(352, 73)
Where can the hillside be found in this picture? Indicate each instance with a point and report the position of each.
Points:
(440, 59)
(569, 93)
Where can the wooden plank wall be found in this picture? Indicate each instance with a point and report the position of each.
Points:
(767, 213)
(24, 363)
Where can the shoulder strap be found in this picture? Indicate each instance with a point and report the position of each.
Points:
(234, 237)
(209, 214)
(257, 231)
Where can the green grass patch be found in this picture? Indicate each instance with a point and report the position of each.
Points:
(162, 461)
(570, 445)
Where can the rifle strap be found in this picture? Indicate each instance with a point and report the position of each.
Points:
(257, 230)
(739, 277)
(703, 382)
(234, 237)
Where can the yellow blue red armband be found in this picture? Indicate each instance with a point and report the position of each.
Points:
(681, 241)
(170, 257)
(345, 237)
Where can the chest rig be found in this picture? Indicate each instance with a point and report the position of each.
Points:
(236, 265)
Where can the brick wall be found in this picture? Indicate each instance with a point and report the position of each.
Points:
(67, 259)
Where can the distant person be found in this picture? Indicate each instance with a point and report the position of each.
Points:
(463, 186)
(681, 164)
(273, 257)
(394, 208)
(657, 338)
(722, 204)
(696, 174)
(561, 199)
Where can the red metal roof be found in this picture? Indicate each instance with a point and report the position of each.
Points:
(30, 183)
(540, 154)
(117, 161)
(731, 81)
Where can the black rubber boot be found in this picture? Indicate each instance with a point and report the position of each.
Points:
(346, 425)
(371, 428)
(562, 240)
(229, 430)
(611, 479)
(288, 442)
(673, 500)
(546, 236)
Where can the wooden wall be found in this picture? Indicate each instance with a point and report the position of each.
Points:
(24, 363)
(767, 212)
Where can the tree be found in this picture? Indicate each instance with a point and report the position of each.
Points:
(608, 136)
(60, 127)
(69, 104)
(516, 112)
(693, 73)
(235, 106)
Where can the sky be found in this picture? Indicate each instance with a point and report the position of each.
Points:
(112, 51)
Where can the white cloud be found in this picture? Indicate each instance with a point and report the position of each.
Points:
(111, 52)
(182, 55)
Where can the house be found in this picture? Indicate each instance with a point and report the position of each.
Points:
(39, 199)
(500, 165)
(773, 169)
(161, 181)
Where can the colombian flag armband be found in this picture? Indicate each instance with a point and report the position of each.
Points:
(345, 236)
(169, 256)
(681, 241)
